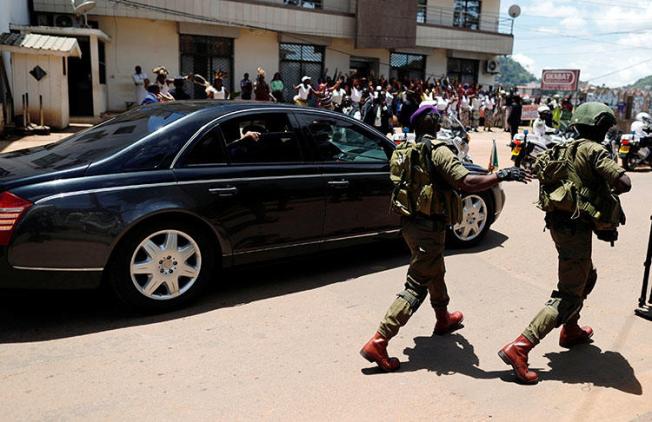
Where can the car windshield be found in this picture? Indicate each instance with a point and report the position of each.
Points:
(103, 140)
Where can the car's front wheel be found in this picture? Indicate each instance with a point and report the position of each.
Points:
(476, 220)
(161, 266)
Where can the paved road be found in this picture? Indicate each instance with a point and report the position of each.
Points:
(281, 342)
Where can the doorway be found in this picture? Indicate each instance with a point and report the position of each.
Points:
(364, 67)
(80, 82)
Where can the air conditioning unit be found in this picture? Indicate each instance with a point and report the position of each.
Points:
(492, 66)
(65, 21)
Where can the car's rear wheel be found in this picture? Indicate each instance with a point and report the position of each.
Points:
(476, 220)
(162, 266)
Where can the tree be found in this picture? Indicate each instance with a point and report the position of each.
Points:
(512, 73)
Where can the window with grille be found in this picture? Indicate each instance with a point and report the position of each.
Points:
(297, 61)
(467, 14)
(407, 66)
(463, 71)
(204, 56)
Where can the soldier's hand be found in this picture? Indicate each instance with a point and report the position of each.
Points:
(514, 174)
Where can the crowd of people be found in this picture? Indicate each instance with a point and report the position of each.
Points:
(383, 103)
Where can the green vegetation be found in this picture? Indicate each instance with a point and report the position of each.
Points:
(512, 73)
(642, 83)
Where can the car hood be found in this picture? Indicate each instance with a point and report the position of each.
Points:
(36, 165)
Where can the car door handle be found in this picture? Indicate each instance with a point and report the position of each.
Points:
(224, 192)
(339, 184)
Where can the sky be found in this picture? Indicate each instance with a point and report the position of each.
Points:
(609, 41)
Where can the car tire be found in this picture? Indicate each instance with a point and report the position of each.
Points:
(478, 212)
(162, 266)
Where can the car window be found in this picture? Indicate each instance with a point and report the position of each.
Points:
(278, 141)
(209, 150)
(338, 140)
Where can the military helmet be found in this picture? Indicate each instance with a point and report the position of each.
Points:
(593, 114)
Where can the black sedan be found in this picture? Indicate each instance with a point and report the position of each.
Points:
(156, 200)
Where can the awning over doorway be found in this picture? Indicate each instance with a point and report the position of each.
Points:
(39, 44)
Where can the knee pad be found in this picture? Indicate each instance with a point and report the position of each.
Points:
(414, 296)
(567, 306)
(590, 282)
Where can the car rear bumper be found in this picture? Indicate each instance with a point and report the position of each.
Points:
(12, 278)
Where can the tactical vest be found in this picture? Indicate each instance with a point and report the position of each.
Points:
(561, 189)
(418, 190)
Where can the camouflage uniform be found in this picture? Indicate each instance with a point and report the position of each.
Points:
(425, 237)
(573, 240)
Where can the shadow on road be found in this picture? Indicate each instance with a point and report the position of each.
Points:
(29, 316)
(492, 240)
(444, 355)
(589, 364)
(447, 355)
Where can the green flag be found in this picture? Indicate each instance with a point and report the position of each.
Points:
(493, 158)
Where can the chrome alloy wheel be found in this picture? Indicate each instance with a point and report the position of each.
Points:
(165, 265)
(474, 218)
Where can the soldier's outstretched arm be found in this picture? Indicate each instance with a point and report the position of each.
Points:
(477, 183)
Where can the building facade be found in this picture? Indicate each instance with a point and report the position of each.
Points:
(392, 38)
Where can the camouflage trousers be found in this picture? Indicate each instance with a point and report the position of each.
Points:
(425, 275)
(577, 277)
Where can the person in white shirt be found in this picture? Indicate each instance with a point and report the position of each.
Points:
(337, 95)
(642, 126)
(217, 90)
(139, 78)
(356, 95)
(539, 127)
(475, 112)
(488, 105)
(304, 90)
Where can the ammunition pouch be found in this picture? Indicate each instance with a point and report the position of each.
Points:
(414, 296)
(567, 306)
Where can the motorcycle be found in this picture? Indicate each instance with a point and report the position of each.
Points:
(635, 151)
(526, 148)
(454, 135)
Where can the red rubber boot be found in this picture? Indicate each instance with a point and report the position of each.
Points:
(376, 351)
(447, 322)
(515, 354)
(572, 335)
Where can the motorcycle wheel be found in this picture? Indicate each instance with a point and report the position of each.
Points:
(630, 163)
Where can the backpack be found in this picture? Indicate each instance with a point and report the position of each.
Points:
(418, 191)
(562, 189)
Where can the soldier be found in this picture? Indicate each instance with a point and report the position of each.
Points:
(595, 177)
(424, 226)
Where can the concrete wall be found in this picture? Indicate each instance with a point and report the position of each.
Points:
(11, 11)
(437, 64)
(148, 43)
(338, 56)
(255, 49)
(463, 40)
(273, 17)
(53, 87)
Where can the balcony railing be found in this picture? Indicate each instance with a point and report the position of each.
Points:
(433, 15)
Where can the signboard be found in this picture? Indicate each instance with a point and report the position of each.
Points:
(530, 112)
(560, 80)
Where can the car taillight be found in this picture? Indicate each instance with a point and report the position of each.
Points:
(11, 209)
